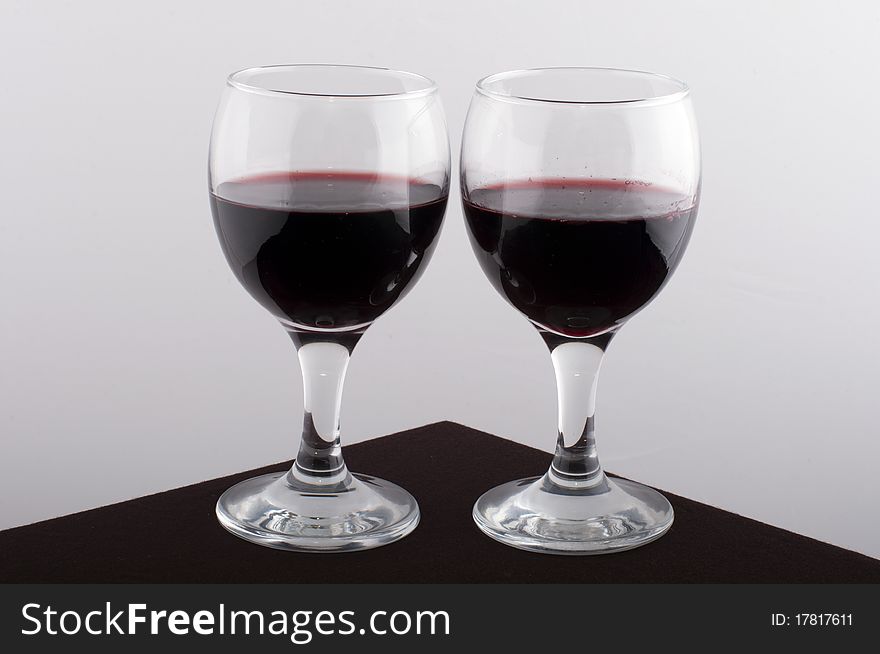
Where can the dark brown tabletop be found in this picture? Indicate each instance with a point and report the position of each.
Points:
(174, 536)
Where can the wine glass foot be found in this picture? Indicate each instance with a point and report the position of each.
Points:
(272, 510)
(537, 515)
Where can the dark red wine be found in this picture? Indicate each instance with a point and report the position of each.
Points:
(578, 257)
(327, 250)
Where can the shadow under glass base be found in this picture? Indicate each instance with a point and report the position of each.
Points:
(275, 511)
(537, 515)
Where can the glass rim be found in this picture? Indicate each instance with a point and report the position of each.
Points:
(682, 92)
(430, 86)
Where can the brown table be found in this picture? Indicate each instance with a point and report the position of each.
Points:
(174, 537)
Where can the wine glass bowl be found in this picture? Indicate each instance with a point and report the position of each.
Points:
(580, 188)
(328, 186)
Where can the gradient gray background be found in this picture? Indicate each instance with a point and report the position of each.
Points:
(133, 362)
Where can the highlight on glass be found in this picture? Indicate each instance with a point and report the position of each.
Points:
(328, 186)
(580, 189)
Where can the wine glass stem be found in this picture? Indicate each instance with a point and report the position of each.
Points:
(319, 461)
(576, 363)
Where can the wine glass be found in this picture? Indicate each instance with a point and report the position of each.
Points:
(328, 186)
(580, 189)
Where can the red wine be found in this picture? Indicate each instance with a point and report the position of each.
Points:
(327, 250)
(578, 257)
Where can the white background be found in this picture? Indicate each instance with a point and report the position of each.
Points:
(131, 361)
